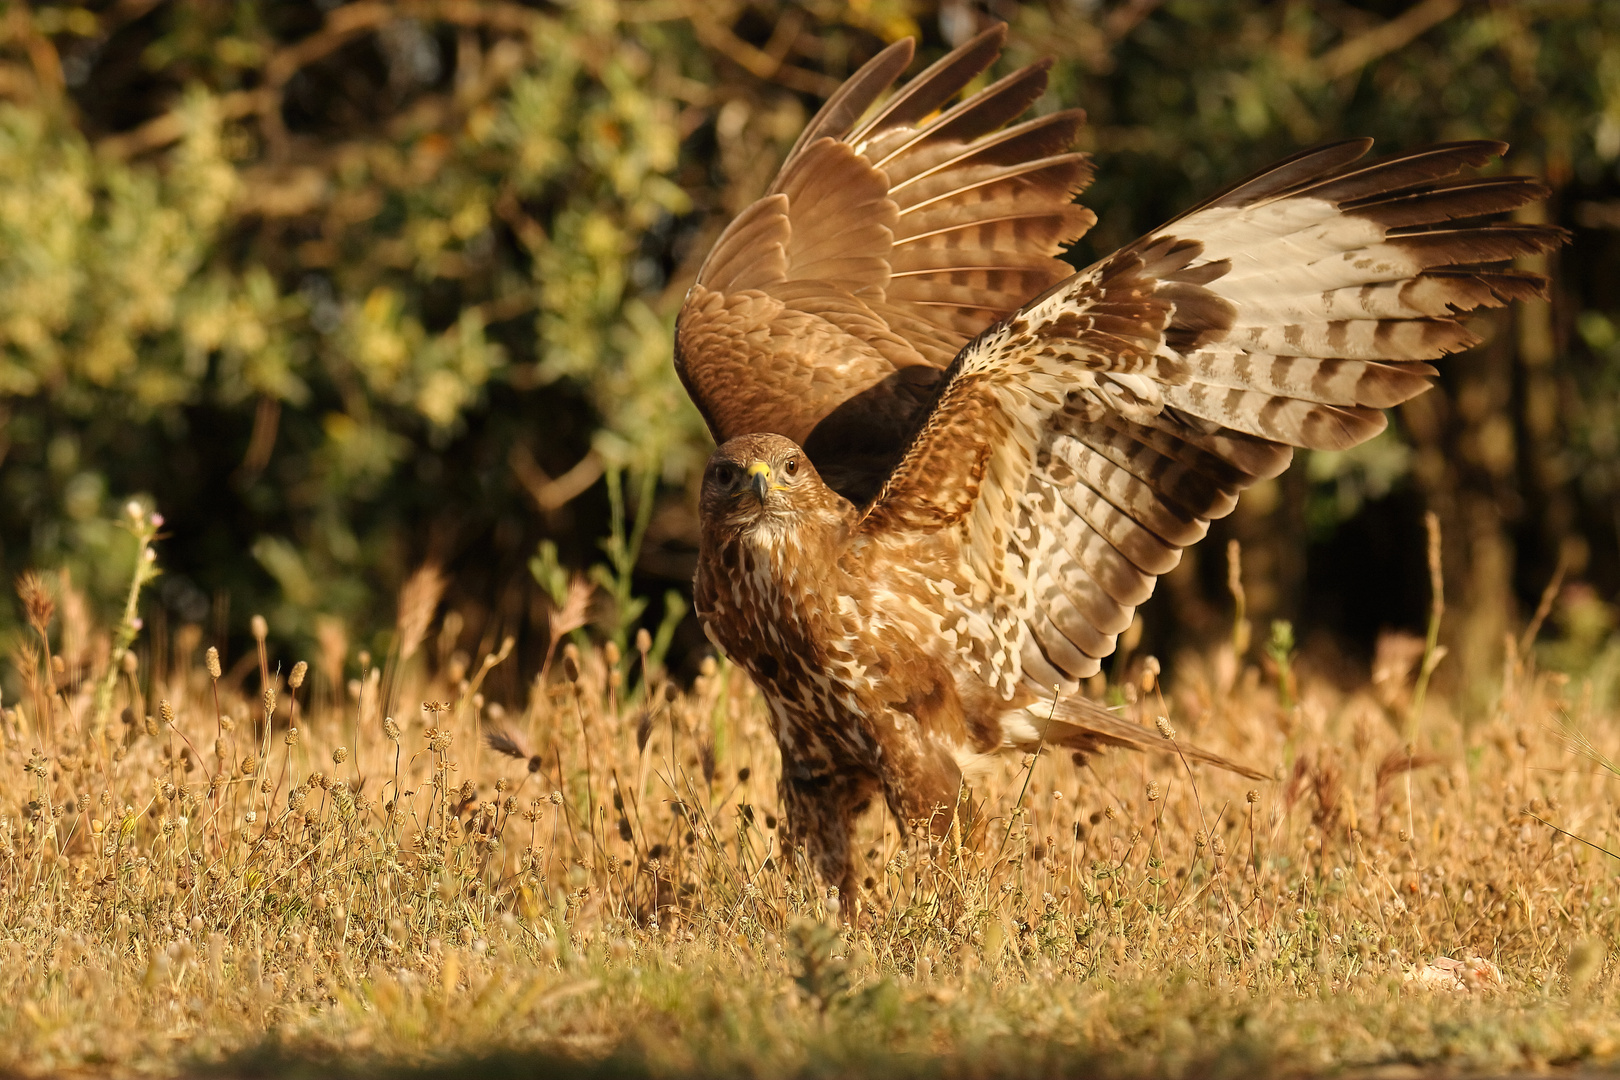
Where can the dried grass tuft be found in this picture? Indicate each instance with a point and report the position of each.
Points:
(614, 874)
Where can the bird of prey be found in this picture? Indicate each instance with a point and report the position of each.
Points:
(950, 467)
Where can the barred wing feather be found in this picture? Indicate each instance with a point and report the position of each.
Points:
(1079, 445)
(828, 309)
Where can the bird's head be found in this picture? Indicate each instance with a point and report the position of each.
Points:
(763, 481)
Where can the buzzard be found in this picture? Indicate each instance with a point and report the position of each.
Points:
(951, 468)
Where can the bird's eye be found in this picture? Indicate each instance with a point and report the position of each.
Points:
(725, 475)
(792, 466)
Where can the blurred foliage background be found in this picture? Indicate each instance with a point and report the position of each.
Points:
(346, 288)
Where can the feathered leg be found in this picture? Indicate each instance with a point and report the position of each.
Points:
(820, 814)
(921, 789)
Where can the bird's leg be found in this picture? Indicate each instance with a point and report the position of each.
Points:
(921, 788)
(820, 813)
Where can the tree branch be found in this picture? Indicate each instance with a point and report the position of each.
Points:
(342, 26)
(1361, 50)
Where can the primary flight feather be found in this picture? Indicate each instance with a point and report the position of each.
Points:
(951, 468)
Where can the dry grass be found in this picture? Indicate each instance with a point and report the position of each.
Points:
(305, 877)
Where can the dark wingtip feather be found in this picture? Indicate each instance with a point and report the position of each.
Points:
(840, 111)
(1504, 286)
(1399, 171)
(993, 106)
(938, 83)
(1496, 242)
(1284, 176)
(1448, 200)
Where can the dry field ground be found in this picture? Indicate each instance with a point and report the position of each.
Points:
(344, 875)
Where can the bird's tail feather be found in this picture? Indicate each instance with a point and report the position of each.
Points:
(1085, 726)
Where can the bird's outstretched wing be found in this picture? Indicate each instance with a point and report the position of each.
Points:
(1078, 446)
(828, 309)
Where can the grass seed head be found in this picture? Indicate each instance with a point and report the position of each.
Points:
(211, 662)
(418, 601)
(38, 604)
(1150, 674)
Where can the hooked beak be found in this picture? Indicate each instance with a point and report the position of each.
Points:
(759, 475)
